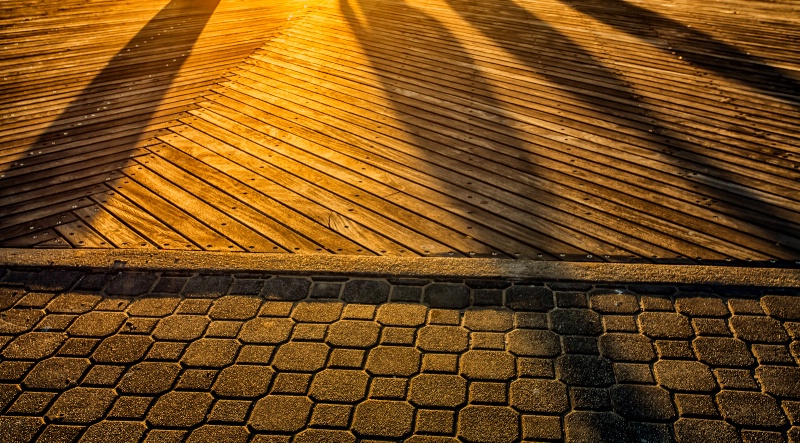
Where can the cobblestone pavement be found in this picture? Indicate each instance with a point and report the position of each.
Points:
(167, 357)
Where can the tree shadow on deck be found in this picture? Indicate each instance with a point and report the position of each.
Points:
(104, 123)
(770, 214)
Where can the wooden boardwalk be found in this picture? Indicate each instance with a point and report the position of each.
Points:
(553, 129)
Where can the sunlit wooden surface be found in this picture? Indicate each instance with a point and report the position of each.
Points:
(552, 129)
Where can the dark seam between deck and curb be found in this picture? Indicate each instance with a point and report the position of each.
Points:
(411, 267)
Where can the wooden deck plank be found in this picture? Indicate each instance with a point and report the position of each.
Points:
(550, 129)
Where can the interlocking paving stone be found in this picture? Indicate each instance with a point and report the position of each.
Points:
(339, 385)
(299, 368)
(149, 378)
(487, 365)
(706, 305)
(73, 303)
(285, 288)
(584, 370)
(247, 381)
(81, 405)
(531, 395)
(576, 322)
(782, 307)
(613, 302)
(438, 390)
(53, 281)
(56, 373)
(750, 409)
(590, 427)
(533, 343)
(34, 345)
(665, 325)
(219, 433)
(366, 291)
(722, 351)
(211, 352)
(383, 418)
(353, 334)
(488, 424)
(436, 338)
(695, 430)
(529, 298)
(626, 347)
(131, 283)
(642, 403)
(441, 295)
(758, 329)
(683, 375)
(393, 360)
(203, 286)
(266, 330)
(235, 307)
(302, 357)
(20, 428)
(180, 409)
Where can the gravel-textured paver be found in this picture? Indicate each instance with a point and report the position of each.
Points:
(151, 356)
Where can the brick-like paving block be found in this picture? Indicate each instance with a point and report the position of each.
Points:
(488, 424)
(353, 334)
(780, 381)
(122, 349)
(301, 356)
(317, 311)
(366, 291)
(179, 409)
(613, 302)
(592, 427)
(706, 305)
(533, 343)
(131, 283)
(642, 402)
(438, 390)
(285, 288)
(750, 409)
(489, 320)
(324, 435)
(434, 338)
(584, 370)
(96, 324)
(207, 286)
(21, 429)
(219, 433)
(722, 351)
(487, 365)
(402, 314)
(383, 418)
(680, 375)
(626, 347)
(576, 322)
(783, 307)
(266, 330)
(243, 381)
(34, 345)
(665, 325)
(181, 327)
(210, 352)
(696, 430)
(530, 298)
(235, 307)
(339, 385)
(331, 415)
(533, 395)
(442, 295)
(73, 303)
(393, 360)
(149, 378)
(56, 373)
(758, 329)
(81, 405)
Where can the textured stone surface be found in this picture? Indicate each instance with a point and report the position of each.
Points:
(608, 365)
(438, 390)
(490, 424)
(383, 418)
(682, 375)
(750, 409)
(531, 395)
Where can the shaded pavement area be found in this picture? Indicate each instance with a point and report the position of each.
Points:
(118, 355)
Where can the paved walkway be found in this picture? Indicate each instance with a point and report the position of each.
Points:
(180, 356)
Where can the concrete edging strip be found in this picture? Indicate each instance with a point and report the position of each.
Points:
(119, 259)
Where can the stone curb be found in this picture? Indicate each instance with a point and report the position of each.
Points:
(411, 267)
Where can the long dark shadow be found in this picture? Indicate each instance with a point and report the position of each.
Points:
(549, 49)
(128, 91)
(702, 50)
(697, 47)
